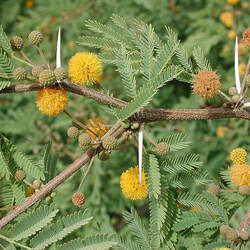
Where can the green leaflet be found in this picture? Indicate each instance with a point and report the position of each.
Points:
(4, 170)
(201, 60)
(18, 193)
(123, 63)
(137, 228)
(4, 41)
(60, 229)
(6, 68)
(33, 222)
(99, 242)
(154, 176)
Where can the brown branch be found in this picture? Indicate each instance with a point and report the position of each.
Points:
(56, 181)
(245, 222)
(146, 114)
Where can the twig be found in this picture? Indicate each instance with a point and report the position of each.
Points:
(42, 56)
(56, 181)
(13, 242)
(26, 57)
(86, 172)
(149, 138)
(146, 114)
(245, 222)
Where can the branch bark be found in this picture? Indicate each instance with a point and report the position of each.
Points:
(146, 114)
(56, 181)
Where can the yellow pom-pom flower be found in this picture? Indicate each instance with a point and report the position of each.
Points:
(238, 156)
(242, 68)
(84, 68)
(51, 101)
(223, 248)
(131, 186)
(227, 19)
(240, 175)
(233, 2)
(96, 125)
(231, 34)
(221, 131)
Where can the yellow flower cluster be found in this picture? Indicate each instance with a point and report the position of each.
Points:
(227, 19)
(242, 68)
(231, 34)
(51, 101)
(221, 131)
(223, 248)
(233, 2)
(96, 125)
(84, 68)
(242, 49)
(240, 175)
(131, 186)
(206, 84)
(238, 156)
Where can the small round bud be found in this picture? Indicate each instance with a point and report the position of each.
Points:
(20, 175)
(235, 98)
(84, 147)
(224, 229)
(109, 142)
(232, 91)
(36, 184)
(213, 189)
(73, 132)
(125, 125)
(244, 235)
(19, 74)
(36, 70)
(244, 190)
(103, 155)
(135, 125)
(84, 139)
(48, 198)
(162, 148)
(231, 234)
(53, 194)
(16, 43)
(78, 199)
(60, 74)
(35, 37)
(47, 78)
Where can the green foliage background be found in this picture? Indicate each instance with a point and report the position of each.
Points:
(195, 21)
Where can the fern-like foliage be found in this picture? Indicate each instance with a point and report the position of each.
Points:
(201, 60)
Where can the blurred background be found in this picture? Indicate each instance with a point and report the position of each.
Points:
(198, 22)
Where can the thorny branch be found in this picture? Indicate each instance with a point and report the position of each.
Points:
(144, 115)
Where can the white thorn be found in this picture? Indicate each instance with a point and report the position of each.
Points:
(236, 67)
(58, 49)
(140, 143)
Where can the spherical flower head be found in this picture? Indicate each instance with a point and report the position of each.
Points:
(35, 37)
(20, 175)
(213, 189)
(221, 131)
(36, 184)
(84, 139)
(244, 190)
(240, 175)
(224, 229)
(242, 49)
(73, 132)
(227, 19)
(47, 78)
(16, 43)
(19, 74)
(109, 143)
(233, 2)
(96, 125)
(84, 68)
(36, 70)
(238, 156)
(52, 101)
(131, 186)
(246, 38)
(162, 148)
(242, 68)
(206, 84)
(78, 199)
(231, 34)
(60, 74)
(223, 248)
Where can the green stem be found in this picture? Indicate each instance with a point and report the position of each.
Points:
(42, 56)
(227, 98)
(14, 242)
(5, 76)
(86, 172)
(26, 57)
(149, 138)
(79, 123)
(22, 61)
